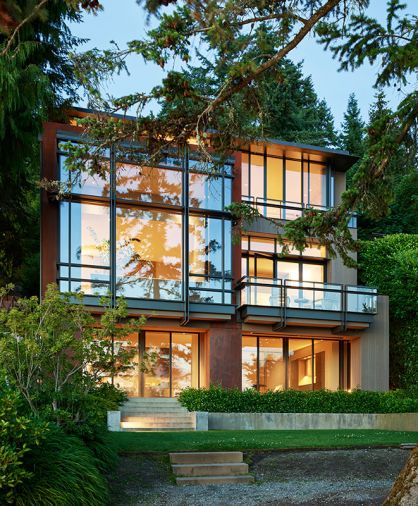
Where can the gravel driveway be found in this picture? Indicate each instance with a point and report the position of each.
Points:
(331, 477)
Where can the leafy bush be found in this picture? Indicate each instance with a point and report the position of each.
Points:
(391, 264)
(19, 435)
(41, 465)
(219, 400)
(57, 358)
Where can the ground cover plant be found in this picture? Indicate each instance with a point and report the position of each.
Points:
(221, 400)
(228, 440)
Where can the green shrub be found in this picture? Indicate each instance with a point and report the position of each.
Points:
(42, 465)
(19, 436)
(216, 399)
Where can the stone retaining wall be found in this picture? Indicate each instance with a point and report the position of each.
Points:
(306, 421)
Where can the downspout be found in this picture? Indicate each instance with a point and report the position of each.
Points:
(185, 235)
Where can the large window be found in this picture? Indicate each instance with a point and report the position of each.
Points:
(84, 248)
(262, 258)
(211, 192)
(210, 259)
(147, 232)
(148, 254)
(281, 186)
(276, 363)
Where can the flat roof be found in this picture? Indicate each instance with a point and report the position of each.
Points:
(343, 160)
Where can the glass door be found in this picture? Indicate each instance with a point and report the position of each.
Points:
(170, 363)
(155, 364)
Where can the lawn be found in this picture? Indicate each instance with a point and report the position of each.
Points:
(256, 440)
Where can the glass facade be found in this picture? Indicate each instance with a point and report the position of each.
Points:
(281, 186)
(279, 363)
(141, 231)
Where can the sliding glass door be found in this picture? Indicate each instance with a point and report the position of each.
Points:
(279, 363)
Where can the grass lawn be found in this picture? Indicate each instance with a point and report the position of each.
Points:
(255, 440)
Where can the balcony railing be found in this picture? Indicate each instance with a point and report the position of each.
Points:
(290, 294)
(286, 210)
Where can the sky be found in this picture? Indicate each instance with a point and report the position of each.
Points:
(124, 20)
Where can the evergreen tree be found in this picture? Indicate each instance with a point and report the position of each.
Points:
(35, 78)
(293, 111)
(403, 207)
(352, 129)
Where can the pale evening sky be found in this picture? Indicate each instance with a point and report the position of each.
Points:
(124, 20)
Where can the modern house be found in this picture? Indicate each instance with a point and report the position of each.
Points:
(220, 308)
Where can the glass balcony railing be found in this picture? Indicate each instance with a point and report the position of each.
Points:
(307, 295)
(286, 210)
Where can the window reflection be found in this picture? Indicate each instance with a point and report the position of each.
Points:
(249, 362)
(88, 181)
(148, 245)
(272, 368)
(205, 192)
(148, 184)
(84, 248)
(205, 246)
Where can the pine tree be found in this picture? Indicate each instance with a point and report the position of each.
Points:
(36, 79)
(352, 128)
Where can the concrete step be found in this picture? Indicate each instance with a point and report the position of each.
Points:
(152, 400)
(161, 410)
(206, 457)
(158, 429)
(157, 418)
(230, 469)
(157, 425)
(213, 480)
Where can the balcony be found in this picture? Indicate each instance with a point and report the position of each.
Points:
(287, 300)
(285, 210)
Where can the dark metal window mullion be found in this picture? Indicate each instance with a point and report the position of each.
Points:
(112, 231)
(186, 233)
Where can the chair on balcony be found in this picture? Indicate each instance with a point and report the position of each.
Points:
(327, 303)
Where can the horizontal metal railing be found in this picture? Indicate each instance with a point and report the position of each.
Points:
(287, 210)
(306, 295)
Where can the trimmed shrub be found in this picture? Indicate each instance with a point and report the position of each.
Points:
(216, 399)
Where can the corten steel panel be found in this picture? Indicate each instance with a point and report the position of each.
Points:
(50, 210)
(225, 354)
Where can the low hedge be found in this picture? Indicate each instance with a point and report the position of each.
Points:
(220, 400)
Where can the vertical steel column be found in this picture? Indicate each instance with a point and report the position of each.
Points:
(112, 245)
(185, 234)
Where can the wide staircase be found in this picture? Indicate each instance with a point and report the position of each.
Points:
(155, 414)
(209, 468)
